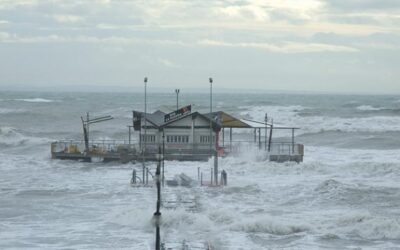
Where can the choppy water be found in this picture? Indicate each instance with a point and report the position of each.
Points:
(345, 195)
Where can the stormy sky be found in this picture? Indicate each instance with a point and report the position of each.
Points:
(309, 45)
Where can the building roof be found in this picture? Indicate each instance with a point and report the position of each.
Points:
(157, 119)
(229, 121)
(219, 119)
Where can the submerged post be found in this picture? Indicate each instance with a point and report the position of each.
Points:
(211, 171)
(147, 176)
(134, 176)
(224, 178)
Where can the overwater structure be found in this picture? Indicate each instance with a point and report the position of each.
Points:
(185, 135)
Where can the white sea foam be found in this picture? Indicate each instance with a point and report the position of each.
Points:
(288, 116)
(369, 108)
(35, 100)
(11, 111)
(10, 137)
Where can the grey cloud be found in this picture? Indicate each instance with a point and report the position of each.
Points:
(382, 41)
(356, 5)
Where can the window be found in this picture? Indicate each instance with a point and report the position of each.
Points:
(206, 139)
(178, 139)
(148, 138)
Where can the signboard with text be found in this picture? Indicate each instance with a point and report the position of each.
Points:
(178, 113)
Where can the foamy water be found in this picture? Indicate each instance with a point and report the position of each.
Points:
(340, 197)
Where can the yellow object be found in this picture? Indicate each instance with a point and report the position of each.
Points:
(73, 149)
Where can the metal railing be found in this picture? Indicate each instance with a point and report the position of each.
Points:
(95, 146)
(103, 147)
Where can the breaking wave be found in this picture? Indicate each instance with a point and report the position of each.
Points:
(11, 111)
(369, 108)
(367, 226)
(12, 137)
(268, 225)
(291, 116)
(35, 100)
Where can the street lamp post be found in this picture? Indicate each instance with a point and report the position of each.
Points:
(145, 126)
(211, 82)
(177, 98)
(145, 114)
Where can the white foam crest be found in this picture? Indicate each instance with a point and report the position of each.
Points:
(288, 116)
(369, 108)
(179, 218)
(269, 225)
(370, 227)
(10, 137)
(11, 111)
(328, 155)
(35, 100)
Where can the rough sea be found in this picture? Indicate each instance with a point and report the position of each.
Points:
(345, 195)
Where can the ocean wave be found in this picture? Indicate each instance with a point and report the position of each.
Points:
(35, 100)
(369, 108)
(12, 137)
(11, 111)
(291, 116)
(268, 225)
(367, 226)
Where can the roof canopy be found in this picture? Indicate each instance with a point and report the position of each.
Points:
(218, 119)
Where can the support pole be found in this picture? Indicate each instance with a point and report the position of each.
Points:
(259, 138)
(270, 138)
(266, 137)
(211, 140)
(144, 175)
(134, 176)
(129, 136)
(157, 214)
(211, 171)
(292, 140)
(223, 137)
(163, 155)
(230, 139)
(147, 176)
(216, 167)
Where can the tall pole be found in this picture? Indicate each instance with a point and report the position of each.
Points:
(145, 114)
(211, 82)
(87, 124)
(157, 214)
(145, 126)
(177, 98)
